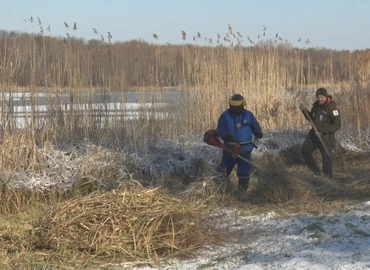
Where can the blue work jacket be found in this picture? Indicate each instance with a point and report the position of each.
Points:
(241, 126)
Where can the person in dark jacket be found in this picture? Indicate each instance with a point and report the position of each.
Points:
(236, 125)
(326, 118)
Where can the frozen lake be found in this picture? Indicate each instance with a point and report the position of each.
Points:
(105, 105)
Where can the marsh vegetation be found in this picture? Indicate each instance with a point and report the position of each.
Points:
(106, 203)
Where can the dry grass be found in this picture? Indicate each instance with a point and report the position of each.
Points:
(282, 181)
(40, 229)
(19, 151)
(94, 220)
(209, 190)
(274, 76)
(18, 200)
(135, 224)
(279, 186)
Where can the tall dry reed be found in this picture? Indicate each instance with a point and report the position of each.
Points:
(273, 75)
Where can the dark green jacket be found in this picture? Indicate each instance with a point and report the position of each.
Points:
(327, 120)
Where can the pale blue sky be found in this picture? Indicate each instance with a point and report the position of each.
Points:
(336, 24)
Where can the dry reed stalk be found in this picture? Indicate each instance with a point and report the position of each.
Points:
(261, 72)
(132, 223)
(76, 64)
(19, 200)
(18, 152)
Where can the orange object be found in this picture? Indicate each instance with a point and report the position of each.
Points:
(211, 138)
(235, 153)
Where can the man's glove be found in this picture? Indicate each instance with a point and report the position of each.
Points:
(235, 153)
(302, 107)
(258, 135)
(228, 137)
(318, 134)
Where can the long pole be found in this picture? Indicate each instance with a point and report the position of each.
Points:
(316, 132)
(227, 148)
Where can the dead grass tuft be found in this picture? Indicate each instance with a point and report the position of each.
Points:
(19, 152)
(278, 185)
(16, 200)
(101, 170)
(207, 190)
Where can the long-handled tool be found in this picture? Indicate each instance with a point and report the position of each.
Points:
(211, 138)
(317, 133)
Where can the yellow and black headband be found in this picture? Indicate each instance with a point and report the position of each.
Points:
(236, 102)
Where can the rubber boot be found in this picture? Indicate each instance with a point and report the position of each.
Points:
(327, 162)
(243, 183)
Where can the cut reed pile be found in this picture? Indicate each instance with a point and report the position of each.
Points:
(132, 223)
(271, 183)
(276, 184)
(297, 184)
(280, 186)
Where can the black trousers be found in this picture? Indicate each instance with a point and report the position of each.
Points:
(327, 161)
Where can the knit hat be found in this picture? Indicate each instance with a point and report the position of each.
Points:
(322, 92)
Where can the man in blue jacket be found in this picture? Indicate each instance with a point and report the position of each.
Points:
(237, 125)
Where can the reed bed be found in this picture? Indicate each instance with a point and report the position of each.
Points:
(274, 76)
(106, 214)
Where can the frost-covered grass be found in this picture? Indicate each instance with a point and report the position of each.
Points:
(254, 234)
